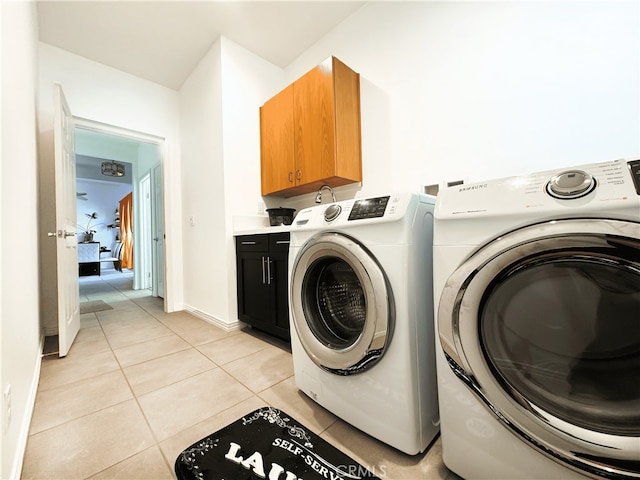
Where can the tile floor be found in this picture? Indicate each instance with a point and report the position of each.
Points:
(140, 385)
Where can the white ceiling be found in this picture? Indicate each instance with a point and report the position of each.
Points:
(163, 41)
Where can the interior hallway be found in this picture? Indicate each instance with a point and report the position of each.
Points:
(140, 385)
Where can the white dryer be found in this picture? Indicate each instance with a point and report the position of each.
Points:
(362, 315)
(538, 324)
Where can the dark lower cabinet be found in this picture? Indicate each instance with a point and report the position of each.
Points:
(262, 275)
(88, 268)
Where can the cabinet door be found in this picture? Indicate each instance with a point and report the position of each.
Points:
(314, 117)
(280, 285)
(348, 158)
(253, 291)
(279, 257)
(276, 142)
(88, 268)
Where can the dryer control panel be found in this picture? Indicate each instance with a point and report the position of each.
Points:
(599, 190)
(634, 168)
(571, 184)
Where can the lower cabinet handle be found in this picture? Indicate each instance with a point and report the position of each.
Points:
(263, 279)
(268, 271)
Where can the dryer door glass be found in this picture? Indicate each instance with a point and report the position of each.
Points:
(543, 325)
(563, 330)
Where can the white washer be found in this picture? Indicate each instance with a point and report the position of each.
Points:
(537, 280)
(362, 315)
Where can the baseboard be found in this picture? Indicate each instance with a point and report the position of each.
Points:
(23, 436)
(227, 327)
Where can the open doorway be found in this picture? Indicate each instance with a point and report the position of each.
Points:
(138, 160)
(59, 259)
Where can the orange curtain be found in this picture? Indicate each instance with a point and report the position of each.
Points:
(126, 230)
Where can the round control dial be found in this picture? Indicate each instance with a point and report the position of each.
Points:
(332, 212)
(571, 184)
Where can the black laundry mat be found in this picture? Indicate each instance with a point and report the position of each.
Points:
(266, 443)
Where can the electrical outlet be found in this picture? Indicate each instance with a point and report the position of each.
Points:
(6, 410)
(192, 220)
(260, 208)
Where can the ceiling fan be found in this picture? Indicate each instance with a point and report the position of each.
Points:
(82, 196)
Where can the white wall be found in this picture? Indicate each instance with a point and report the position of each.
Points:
(102, 94)
(221, 169)
(203, 187)
(247, 82)
(480, 90)
(20, 342)
(449, 90)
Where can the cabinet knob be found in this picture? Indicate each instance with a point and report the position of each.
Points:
(298, 174)
(290, 177)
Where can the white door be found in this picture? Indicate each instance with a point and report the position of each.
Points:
(158, 232)
(143, 261)
(66, 240)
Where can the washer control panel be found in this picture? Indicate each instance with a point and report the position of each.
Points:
(571, 184)
(360, 212)
(369, 208)
(332, 212)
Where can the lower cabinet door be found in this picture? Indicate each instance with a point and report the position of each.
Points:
(280, 284)
(253, 291)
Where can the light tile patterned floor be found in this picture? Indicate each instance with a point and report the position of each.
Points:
(140, 385)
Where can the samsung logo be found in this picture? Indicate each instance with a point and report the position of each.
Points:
(472, 187)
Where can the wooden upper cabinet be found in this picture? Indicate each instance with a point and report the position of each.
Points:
(276, 142)
(310, 132)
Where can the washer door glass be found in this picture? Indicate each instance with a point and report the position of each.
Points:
(334, 302)
(341, 304)
(564, 332)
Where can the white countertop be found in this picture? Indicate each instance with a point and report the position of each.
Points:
(259, 230)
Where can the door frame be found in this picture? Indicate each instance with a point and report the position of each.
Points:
(160, 142)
